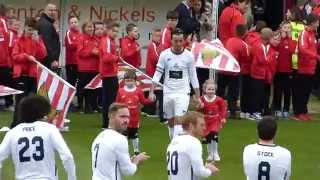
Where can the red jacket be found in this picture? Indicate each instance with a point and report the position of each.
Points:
(13, 37)
(133, 99)
(241, 52)
(152, 58)
(4, 49)
(108, 57)
(307, 52)
(213, 112)
(252, 38)
(71, 43)
(228, 21)
(130, 51)
(87, 61)
(263, 62)
(24, 47)
(3, 24)
(286, 48)
(165, 39)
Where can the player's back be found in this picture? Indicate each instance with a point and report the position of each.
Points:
(266, 162)
(179, 155)
(104, 149)
(33, 151)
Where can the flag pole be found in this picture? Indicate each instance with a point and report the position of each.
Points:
(124, 62)
(47, 69)
(215, 8)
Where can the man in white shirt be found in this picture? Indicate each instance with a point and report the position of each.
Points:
(110, 152)
(266, 160)
(177, 65)
(184, 153)
(32, 143)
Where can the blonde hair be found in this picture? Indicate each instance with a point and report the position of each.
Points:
(206, 83)
(190, 117)
(114, 108)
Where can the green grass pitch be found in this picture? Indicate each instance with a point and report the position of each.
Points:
(301, 138)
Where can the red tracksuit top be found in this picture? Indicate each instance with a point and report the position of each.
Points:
(252, 38)
(214, 112)
(263, 62)
(71, 43)
(133, 98)
(228, 21)
(152, 58)
(307, 52)
(130, 52)
(87, 61)
(3, 24)
(241, 51)
(5, 60)
(109, 58)
(165, 42)
(24, 47)
(286, 48)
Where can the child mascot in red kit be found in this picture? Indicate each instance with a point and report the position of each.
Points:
(214, 109)
(133, 96)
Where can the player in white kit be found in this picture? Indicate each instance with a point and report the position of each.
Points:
(266, 160)
(110, 152)
(178, 66)
(32, 143)
(184, 153)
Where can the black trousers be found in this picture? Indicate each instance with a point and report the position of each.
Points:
(245, 92)
(203, 75)
(89, 95)
(6, 80)
(232, 83)
(266, 99)
(29, 86)
(152, 108)
(110, 87)
(302, 90)
(257, 95)
(72, 73)
(282, 86)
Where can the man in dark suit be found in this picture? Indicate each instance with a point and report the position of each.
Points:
(50, 36)
(186, 21)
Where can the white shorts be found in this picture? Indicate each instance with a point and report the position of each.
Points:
(175, 105)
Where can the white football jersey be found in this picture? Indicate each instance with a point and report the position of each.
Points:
(179, 71)
(266, 162)
(32, 148)
(184, 159)
(110, 156)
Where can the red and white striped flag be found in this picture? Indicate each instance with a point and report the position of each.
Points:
(59, 92)
(143, 80)
(213, 55)
(5, 91)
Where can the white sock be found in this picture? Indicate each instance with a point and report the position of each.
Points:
(214, 146)
(135, 143)
(211, 148)
(171, 132)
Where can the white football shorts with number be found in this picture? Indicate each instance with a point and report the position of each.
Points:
(110, 156)
(32, 148)
(266, 162)
(184, 159)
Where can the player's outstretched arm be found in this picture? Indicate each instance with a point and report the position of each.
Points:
(159, 70)
(196, 161)
(127, 167)
(4, 150)
(64, 153)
